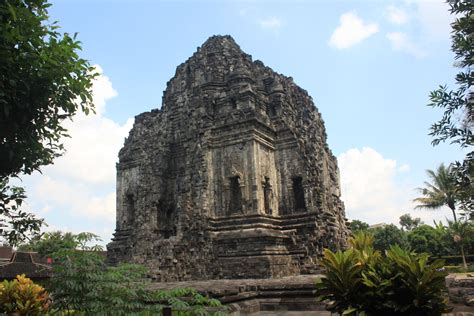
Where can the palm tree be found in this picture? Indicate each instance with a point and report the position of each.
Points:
(461, 232)
(442, 191)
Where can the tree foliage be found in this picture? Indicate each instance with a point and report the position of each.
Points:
(357, 226)
(43, 82)
(16, 225)
(385, 237)
(433, 240)
(459, 102)
(448, 128)
(408, 223)
(82, 284)
(50, 243)
(462, 233)
(441, 191)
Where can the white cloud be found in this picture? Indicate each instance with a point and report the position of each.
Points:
(76, 198)
(369, 189)
(396, 15)
(271, 23)
(373, 191)
(94, 143)
(400, 42)
(79, 188)
(351, 30)
(366, 180)
(102, 91)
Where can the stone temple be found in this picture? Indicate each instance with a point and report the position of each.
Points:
(231, 178)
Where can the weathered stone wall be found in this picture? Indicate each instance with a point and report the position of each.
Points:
(461, 288)
(231, 178)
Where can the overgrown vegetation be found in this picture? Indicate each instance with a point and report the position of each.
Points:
(366, 282)
(82, 284)
(51, 243)
(451, 242)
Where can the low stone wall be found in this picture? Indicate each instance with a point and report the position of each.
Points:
(461, 293)
(260, 296)
(295, 295)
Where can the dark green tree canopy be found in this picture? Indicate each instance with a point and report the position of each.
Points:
(43, 81)
(432, 240)
(408, 223)
(389, 235)
(357, 226)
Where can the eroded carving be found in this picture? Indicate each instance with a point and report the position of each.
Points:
(234, 165)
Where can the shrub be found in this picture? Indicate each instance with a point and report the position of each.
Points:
(186, 301)
(433, 240)
(23, 297)
(362, 281)
(50, 243)
(83, 284)
(389, 235)
(357, 226)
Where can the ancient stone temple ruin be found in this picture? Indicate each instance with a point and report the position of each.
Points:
(231, 178)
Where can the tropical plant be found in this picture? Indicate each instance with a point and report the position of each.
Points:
(418, 285)
(23, 297)
(362, 245)
(462, 233)
(342, 281)
(401, 282)
(408, 223)
(441, 192)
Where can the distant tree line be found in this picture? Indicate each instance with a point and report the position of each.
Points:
(453, 242)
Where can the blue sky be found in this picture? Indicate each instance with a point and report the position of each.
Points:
(369, 66)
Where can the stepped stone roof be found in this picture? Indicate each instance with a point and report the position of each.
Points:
(231, 178)
(24, 263)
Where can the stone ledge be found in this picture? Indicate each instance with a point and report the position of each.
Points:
(461, 288)
(293, 295)
(238, 289)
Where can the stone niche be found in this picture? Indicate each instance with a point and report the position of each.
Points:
(231, 178)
